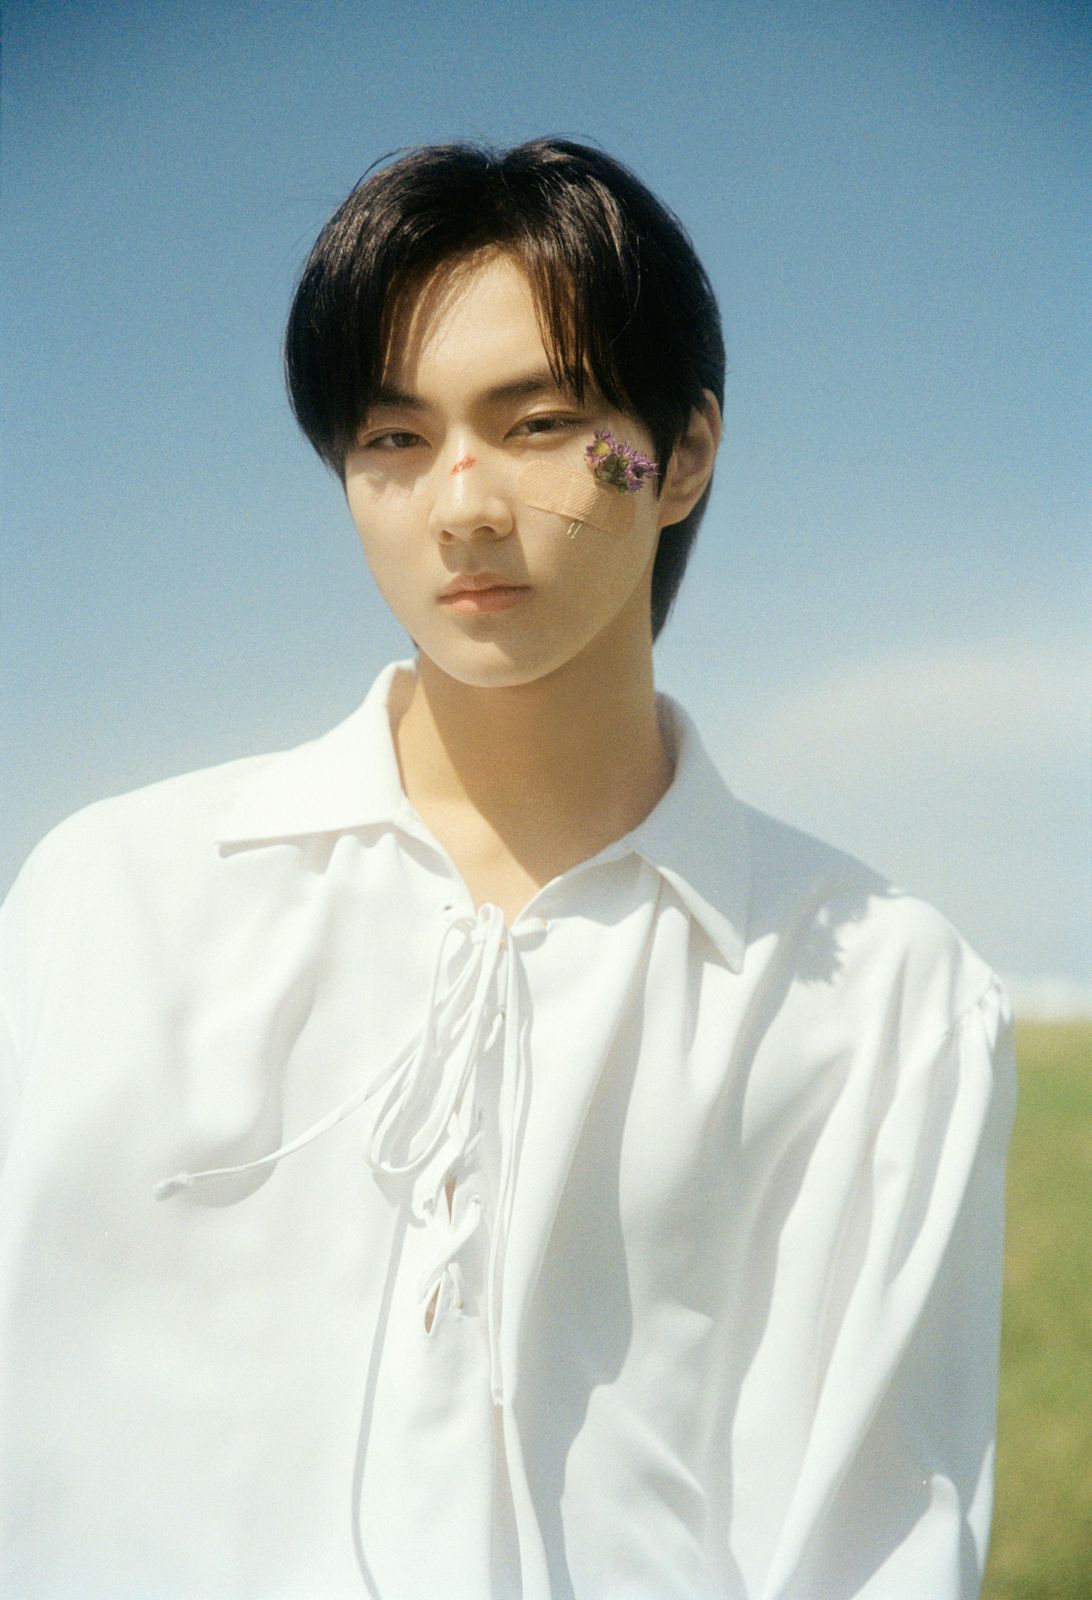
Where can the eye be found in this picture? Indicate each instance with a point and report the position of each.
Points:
(531, 426)
(391, 441)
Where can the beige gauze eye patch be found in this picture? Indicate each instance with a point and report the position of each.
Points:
(576, 495)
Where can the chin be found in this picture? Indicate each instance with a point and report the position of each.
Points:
(492, 665)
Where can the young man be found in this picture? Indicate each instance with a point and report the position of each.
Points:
(473, 1155)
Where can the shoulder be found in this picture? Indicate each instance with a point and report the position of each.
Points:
(134, 871)
(157, 832)
(158, 818)
(850, 935)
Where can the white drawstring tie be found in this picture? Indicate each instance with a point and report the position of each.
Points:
(425, 1109)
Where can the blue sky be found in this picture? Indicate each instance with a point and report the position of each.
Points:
(881, 632)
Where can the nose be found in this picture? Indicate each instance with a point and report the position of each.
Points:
(469, 500)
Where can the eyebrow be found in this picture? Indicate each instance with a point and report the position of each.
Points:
(541, 381)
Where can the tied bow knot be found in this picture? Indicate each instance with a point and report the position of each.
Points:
(425, 1096)
(425, 1122)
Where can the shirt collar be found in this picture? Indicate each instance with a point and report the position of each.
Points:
(695, 837)
(345, 779)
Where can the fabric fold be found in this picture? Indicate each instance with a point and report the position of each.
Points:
(426, 1123)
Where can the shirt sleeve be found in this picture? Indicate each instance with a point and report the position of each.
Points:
(10, 1076)
(29, 919)
(9, 1081)
(895, 1495)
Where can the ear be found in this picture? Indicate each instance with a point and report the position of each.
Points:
(691, 465)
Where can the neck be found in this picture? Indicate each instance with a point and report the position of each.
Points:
(567, 763)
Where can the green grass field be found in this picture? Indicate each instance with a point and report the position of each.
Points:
(1041, 1547)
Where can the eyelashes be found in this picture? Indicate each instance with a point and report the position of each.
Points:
(395, 441)
(387, 441)
(556, 424)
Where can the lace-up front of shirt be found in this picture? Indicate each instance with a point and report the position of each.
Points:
(424, 1121)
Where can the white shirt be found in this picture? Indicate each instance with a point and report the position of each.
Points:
(717, 1307)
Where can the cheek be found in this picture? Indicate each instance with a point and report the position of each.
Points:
(575, 497)
(385, 522)
(587, 580)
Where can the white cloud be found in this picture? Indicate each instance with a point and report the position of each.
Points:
(1049, 999)
(914, 711)
(961, 772)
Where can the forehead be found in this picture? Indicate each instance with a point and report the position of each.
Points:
(478, 311)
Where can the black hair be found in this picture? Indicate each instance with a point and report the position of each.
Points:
(620, 293)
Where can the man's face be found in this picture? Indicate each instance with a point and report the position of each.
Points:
(432, 488)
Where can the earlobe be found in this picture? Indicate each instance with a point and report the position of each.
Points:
(692, 461)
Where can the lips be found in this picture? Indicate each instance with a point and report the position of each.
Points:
(480, 594)
(477, 583)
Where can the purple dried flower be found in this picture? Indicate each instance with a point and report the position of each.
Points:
(617, 464)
